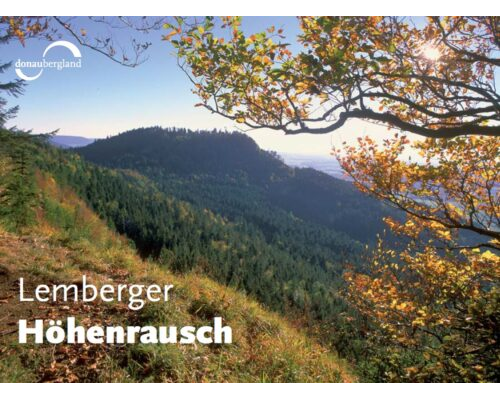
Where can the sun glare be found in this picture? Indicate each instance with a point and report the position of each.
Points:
(431, 53)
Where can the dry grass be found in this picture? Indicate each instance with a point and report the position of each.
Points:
(265, 347)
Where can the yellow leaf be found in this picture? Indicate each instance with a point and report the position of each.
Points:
(488, 255)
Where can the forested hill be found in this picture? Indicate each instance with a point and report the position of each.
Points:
(49, 234)
(233, 229)
(229, 174)
(186, 152)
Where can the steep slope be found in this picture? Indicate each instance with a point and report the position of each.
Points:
(292, 267)
(68, 240)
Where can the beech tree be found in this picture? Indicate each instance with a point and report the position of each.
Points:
(432, 301)
(437, 295)
(435, 79)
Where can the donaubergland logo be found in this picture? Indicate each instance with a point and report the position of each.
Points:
(59, 65)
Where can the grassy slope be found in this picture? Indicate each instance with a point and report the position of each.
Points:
(69, 240)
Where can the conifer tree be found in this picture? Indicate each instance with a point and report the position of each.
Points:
(18, 194)
(12, 88)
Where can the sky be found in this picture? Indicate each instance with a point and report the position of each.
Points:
(103, 98)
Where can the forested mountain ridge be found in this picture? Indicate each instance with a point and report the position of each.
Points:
(290, 265)
(229, 174)
(297, 268)
(61, 238)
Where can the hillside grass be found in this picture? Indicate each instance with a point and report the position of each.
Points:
(69, 240)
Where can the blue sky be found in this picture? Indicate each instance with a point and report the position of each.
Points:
(104, 98)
